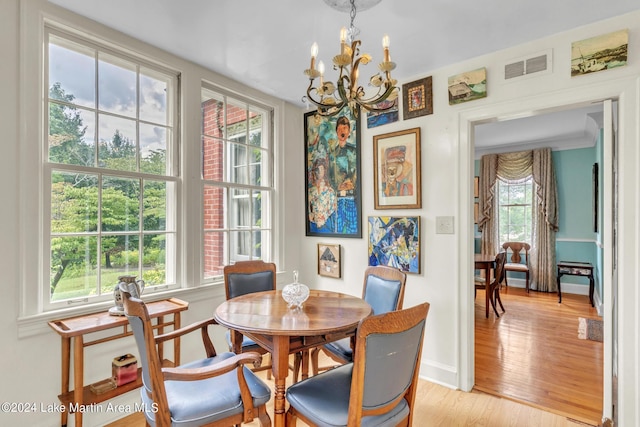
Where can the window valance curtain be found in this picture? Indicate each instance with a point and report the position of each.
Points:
(515, 167)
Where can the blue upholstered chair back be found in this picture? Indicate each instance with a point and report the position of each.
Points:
(384, 289)
(382, 384)
(382, 295)
(137, 328)
(245, 277)
(243, 283)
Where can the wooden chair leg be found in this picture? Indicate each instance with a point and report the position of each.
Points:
(493, 303)
(270, 363)
(497, 297)
(313, 355)
(527, 280)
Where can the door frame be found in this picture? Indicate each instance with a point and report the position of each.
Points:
(622, 90)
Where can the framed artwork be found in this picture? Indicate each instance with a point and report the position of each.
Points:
(333, 177)
(476, 212)
(396, 170)
(476, 187)
(380, 118)
(417, 98)
(329, 260)
(599, 53)
(395, 241)
(467, 86)
(595, 195)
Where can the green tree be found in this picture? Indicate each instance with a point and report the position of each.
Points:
(67, 131)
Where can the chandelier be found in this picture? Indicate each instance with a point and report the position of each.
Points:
(331, 100)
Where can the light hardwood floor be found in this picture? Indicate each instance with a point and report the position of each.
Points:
(441, 406)
(529, 370)
(532, 354)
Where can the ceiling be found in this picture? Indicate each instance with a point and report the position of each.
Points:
(266, 44)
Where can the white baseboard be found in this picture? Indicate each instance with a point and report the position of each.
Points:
(567, 288)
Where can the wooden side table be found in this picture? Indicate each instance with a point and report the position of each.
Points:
(575, 268)
(76, 328)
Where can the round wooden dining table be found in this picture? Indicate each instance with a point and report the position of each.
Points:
(265, 318)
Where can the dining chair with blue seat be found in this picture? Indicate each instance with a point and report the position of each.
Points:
(378, 388)
(245, 277)
(383, 289)
(215, 391)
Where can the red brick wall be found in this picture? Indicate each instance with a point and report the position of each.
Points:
(213, 169)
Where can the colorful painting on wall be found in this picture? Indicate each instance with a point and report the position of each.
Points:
(599, 53)
(333, 178)
(417, 98)
(396, 170)
(375, 119)
(395, 241)
(468, 86)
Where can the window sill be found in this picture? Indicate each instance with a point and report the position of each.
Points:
(37, 324)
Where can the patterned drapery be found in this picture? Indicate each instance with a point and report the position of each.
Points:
(537, 164)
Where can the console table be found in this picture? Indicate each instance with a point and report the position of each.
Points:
(76, 328)
(574, 268)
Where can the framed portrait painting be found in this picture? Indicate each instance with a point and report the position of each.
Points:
(332, 178)
(395, 241)
(396, 170)
(329, 260)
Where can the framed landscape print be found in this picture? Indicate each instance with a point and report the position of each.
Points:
(417, 98)
(329, 260)
(599, 53)
(333, 177)
(396, 170)
(395, 241)
(467, 86)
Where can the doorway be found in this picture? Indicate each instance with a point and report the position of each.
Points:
(503, 136)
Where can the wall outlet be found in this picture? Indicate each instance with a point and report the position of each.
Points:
(444, 225)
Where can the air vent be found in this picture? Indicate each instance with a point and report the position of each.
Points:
(539, 63)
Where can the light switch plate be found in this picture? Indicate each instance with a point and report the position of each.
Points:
(444, 225)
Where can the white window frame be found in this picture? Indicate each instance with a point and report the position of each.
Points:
(528, 226)
(32, 197)
(171, 177)
(267, 135)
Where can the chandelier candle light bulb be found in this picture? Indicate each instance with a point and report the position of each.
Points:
(314, 55)
(321, 71)
(385, 47)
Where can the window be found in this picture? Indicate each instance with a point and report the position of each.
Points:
(514, 210)
(237, 181)
(109, 167)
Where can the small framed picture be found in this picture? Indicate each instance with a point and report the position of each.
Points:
(417, 98)
(396, 170)
(329, 260)
(476, 212)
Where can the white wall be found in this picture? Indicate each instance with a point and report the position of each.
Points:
(30, 365)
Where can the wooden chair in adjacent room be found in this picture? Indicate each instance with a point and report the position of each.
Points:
(378, 388)
(383, 289)
(215, 391)
(515, 262)
(494, 286)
